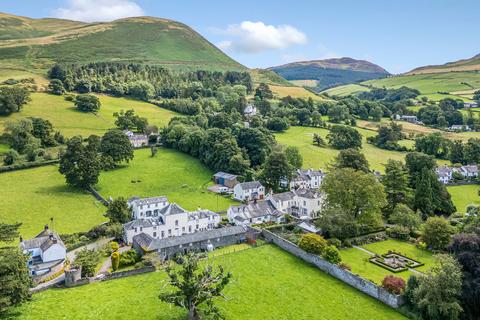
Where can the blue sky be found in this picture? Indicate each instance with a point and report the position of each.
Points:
(397, 35)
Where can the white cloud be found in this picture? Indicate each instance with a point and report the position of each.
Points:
(255, 37)
(98, 10)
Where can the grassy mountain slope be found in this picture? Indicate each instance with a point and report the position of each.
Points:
(37, 44)
(322, 74)
(472, 64)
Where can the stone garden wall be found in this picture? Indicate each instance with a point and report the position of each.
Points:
(346, 276)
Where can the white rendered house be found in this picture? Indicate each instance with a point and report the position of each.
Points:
(249, 191)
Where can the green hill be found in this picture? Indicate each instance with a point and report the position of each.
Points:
(36, 44)
(323, 74)
(471, 64)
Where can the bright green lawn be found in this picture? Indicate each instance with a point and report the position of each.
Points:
(267, 283)
(462, 196)
(406, 248)
(180, 177)
(317, 157)
(33, 196)
(70, 122)
(4, 148)
(346, 90)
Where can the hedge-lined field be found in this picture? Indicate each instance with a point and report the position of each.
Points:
(267, 283)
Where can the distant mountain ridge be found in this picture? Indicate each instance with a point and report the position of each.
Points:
(36, 44)
(471, 64)
(327, 73)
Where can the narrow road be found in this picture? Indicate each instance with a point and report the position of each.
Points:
(108, 263)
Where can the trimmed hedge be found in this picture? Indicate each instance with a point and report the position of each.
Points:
(28, 165)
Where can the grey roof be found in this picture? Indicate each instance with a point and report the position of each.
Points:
(284, 196)
(144, 223)
(444, 170)
(308, 193)
(308, 227)
(148, 243)
(250, 185)
(172, 208)
(147, 201)
(225, 175)
(255, 210)
(43, 240)
(470, 168)
(201, 213)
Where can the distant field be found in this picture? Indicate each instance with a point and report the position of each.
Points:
(280, 285)
(462, 196)
(33, 196)
(318, 157)
(296, 92)
(5, 74)
(183, 179)
(70, 122)
(346, 90)
(305, 83)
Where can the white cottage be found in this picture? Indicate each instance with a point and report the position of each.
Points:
(47, 253)
(249, 191)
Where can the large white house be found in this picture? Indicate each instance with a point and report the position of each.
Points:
(305, 179)
(249, 191)
(445, 174)
(160, 219)
(302, 203)
(137, 140)
(47, 253)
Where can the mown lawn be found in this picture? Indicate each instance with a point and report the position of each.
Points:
(462, 196)
(267, 283)
(180, 177)
(66, 119)
(405, 248)
(33, 196)
(358, 259)
(319, 157)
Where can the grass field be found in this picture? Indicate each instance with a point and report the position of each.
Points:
(462, 196)
(358, 259)
(33, 196)
(317, 157)
(183, 179)
(296, 92)
(346, 90)
(267, 283)
(70, 122)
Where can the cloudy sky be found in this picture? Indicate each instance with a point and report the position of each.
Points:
(397, 35)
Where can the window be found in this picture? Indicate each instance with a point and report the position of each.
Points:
(176, 223)
(304, 203)
(190, 229)
(141, 229)
(169, 232)
(163, 234)
(183, 229)
(154, 234)
(196, 227)
(149, 213)
(135, 230)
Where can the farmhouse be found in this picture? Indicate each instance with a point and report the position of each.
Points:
(411, 119)
(254, 213)
(470, 104)
(225, 179)
(199, 241)
(47, 253)
(170, 220)
(249, 191)
(137, 140)
(445, 174)
(305, 179)
(459, 127)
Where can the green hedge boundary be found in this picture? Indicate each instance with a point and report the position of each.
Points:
(28, 165)
(387, 267)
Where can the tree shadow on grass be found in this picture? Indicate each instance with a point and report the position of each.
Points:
(10, 314)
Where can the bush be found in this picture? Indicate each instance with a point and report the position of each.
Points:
(128, 258)
(334, 242)
(332, 255)
(10, 157)
(347, 243)
(114, 246)
(399, 232)
(393, 284)
(115, 257)
(345, 266)
(312, 243)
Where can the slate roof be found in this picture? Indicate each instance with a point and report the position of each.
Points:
(147, 243)
(284, 196)
(308, 227)
(172, 208)
(147, 201)
(250, 185)
(470, 168)
(201, 214)
(255, 210)
(144, 223)
(225, 175)
(43, 240)
(308, 193)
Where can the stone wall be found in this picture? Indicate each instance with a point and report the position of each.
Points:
(346, 276)
(128, 273)
(98, 196)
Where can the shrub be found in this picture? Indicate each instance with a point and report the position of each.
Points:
(128, 258)
(312, 243)
(334, 242)
(393, 284)
(114, 246)
(399, 232)
(115, 257)
(344, 266)
(10, 157)
(332, 255)
(347, 243)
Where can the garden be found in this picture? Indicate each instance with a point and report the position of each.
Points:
(267, 283)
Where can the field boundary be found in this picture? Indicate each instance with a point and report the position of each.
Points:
(366, 286)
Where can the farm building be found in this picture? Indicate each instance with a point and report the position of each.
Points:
(225, 179)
